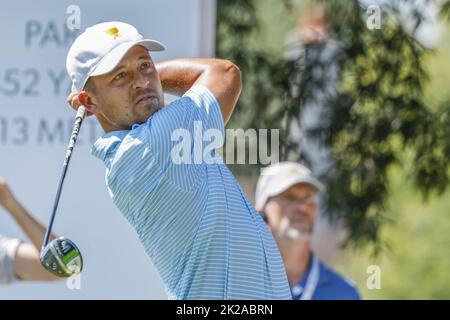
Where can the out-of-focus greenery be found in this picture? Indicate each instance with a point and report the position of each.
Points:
(380, 109)
(415, 229)
(445, 11)
(417, 262)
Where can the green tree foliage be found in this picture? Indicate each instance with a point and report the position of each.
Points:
(377, 114)
(445, 11)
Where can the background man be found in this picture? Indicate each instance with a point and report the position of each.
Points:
(286, 198)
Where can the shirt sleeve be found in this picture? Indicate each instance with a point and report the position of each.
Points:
(354, 293)
(173, 145)
(186, 134)
(194, 120)
(207, 106)
(8, 249)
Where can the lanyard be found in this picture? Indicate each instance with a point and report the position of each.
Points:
(311, 282)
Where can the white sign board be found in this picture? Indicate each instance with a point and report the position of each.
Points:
(35, 125)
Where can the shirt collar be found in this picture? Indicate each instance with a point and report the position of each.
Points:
(324, 278)
(302, 281)
(108, 143)
(324, 275)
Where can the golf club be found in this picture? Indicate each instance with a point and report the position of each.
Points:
(61, 256)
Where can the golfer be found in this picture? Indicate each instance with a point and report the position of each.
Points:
(202, 234)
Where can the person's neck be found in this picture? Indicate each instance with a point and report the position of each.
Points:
(106, 125)
(296, 260)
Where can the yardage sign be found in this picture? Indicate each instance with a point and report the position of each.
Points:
(35, 126)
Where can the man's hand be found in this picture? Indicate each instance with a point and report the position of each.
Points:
(74, 101)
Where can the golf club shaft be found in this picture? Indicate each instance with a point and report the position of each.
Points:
(73, 139)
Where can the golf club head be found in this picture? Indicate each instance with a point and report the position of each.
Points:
(62, 258)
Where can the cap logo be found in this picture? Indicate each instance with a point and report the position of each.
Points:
(294, 170)
(114, 32)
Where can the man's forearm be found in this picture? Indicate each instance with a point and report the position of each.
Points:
(27, 265)
(179, 75)
(221, 77)
(32, 228)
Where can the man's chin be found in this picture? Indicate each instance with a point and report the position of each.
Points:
(148, 111)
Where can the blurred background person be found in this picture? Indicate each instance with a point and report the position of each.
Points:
(286, 197)
(20, 260)
(315, 53)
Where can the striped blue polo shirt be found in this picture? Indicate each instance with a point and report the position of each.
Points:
(200, 231)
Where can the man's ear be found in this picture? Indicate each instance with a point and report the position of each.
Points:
(87, 101)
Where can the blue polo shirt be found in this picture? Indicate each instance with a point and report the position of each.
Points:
(194, 221)
(330, 285)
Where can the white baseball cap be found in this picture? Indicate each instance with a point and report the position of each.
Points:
(277, 178)
(100, 48)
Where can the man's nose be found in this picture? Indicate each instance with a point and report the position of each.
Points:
(301, 205)
(141, 82)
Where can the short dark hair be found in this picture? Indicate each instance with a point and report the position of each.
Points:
(90, 86)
